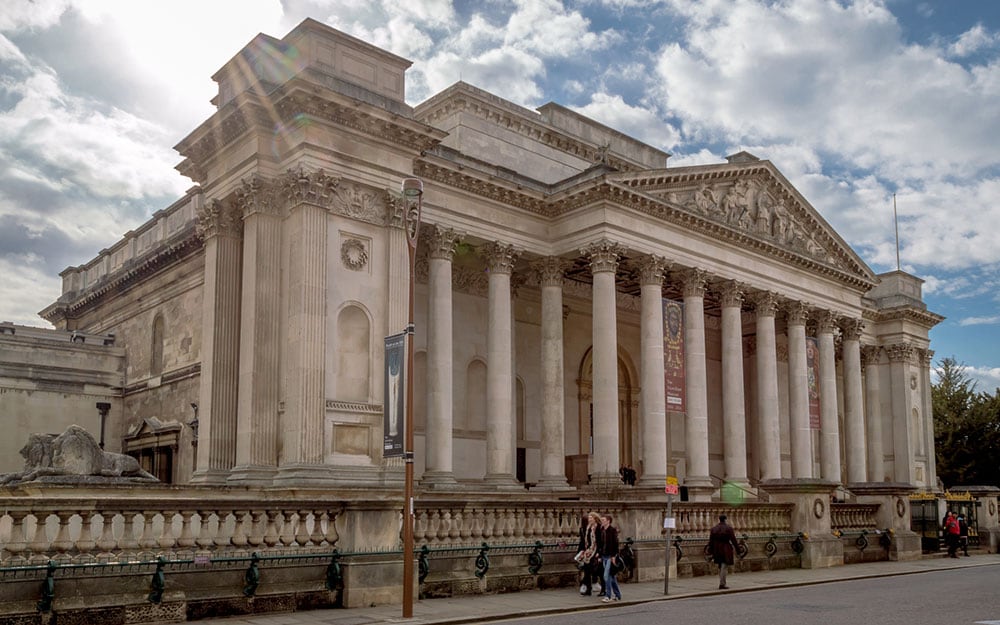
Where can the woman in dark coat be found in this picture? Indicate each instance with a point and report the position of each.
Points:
(722, 547)
(587, 557)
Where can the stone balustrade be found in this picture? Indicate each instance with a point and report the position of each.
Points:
(852, 516)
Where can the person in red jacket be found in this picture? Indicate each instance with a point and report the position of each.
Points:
(951, 534)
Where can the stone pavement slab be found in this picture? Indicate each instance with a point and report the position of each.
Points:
(480, 608)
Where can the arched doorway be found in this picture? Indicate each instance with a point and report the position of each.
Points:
(628, 409)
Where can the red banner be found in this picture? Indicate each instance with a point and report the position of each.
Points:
(812, 373)
(673, 354)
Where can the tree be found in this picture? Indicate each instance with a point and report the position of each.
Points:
(966, 428)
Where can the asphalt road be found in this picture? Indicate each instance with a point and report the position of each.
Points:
(952, 597)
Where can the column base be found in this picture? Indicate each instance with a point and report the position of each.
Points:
(652, 481)
(503, 481)
(699, 487)
(252, 475)
(552, 484)
(210, 476)
(439, 480)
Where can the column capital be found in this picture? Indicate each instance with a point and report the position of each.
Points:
(765, 303)
(500, 257)
(899, 352)
(550, 270)
(796, 313)
(693, 282)
(219, 218)
(258, 195)
(730, 293)
(826, 322)
(652, 269)
(926, 356)
(441, 241)
(851, 328)
(870, 355)
(603, 255)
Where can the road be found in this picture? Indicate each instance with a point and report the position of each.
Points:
(952, 597)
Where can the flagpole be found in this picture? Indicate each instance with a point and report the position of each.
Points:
(895, 222)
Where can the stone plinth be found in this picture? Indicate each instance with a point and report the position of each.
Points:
(893, 514)
(811, 517)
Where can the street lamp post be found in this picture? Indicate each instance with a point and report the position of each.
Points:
(413, 193)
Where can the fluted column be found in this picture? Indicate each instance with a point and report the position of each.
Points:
(500, 259)
(873, 413)
(926, 357)
(733, 407)
(604, 256)
(257, 420)
(829, 420)
(854, 418)
(696, 478)
(302, 424)
(550, 272)
(798, 392)
(900, 363)
(653, 399)
(438, 436)
(219, 224)
(765, 305)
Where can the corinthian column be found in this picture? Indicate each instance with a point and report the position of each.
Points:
(798, 392)
(873, 412)
(654, 403)
(926, 357)
(696, 478)
(500, 259)
(438, 437)
(854, 418)
(733, 409)
(900, 363)
(257, 421)
(219, 225)
(765, 305)
(604, 256)
(302, 425)
(550, 273)
(829, 420)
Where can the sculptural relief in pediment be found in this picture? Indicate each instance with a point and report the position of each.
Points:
(759, 208)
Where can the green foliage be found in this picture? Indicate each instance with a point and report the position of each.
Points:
(966, 428)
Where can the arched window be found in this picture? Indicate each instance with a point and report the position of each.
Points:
(156, 347)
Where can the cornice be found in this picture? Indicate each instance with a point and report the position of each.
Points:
(922, 318)
(177, 248)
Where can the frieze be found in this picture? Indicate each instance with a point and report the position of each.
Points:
(356, 407)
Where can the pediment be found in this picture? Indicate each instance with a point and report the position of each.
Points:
(751, 201)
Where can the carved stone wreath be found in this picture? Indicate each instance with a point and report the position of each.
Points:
(819, 508)
(900, 507)
(353, 254)
(993, 508)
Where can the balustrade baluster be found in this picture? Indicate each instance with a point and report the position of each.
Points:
(444, 530)
(204, 539)
(86, 542)
(239, 529)
(287, 532)
(166, 540)
(433, 524)
(257, 528)
(222, 537)
(128, 543)
(18, 542)
(40, 539)
(186, 540)
(302, 528)
(107, 543)
(147, 540)
(455, 527)
(271, 530)
(332, 536)
(316, 537)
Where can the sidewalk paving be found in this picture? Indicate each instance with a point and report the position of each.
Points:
(479, 608)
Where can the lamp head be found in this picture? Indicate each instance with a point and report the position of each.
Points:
(412, 188)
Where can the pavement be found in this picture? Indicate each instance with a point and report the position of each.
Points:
(480, 608)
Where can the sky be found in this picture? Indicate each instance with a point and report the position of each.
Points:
(854, 102)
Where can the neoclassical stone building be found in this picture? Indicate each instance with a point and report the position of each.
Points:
(580, 305)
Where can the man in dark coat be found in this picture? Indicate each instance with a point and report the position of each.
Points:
(722, 547)
(963, 534)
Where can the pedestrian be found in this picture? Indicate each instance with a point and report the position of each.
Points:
(607, 546)
(963, 535)
(587, 558)
(722, 547)
(951, 534)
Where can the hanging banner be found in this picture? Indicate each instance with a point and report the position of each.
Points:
(393, 412)
(673, 354)
(812, 372)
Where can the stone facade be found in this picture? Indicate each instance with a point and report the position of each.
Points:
(256, 306)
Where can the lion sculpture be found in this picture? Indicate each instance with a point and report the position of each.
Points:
(74, 454)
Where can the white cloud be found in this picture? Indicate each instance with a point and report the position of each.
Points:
(642, 123)
(25, 290)
(978, 321)
(973, 40)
